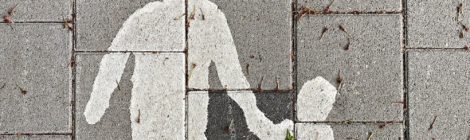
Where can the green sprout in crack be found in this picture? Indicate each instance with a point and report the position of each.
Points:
(289, 136)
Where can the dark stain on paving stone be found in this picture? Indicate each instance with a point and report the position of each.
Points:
(226, 119)
(115, 123)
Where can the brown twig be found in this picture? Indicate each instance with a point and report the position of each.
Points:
(327, 8)
(277, 85)
(23, 91)
(432, 123)
(323, 31)
(117, 83)
(68, 23)
(193, 13)
(247, 69)
(303, 11)
(260, 84)
(370, 136)
(202, 15)
(138, 117)
(339, 80)
(9, 17)
(467, 48)
(348, 43)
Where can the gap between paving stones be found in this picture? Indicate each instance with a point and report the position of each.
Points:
(106, 52)
(37, 134)
(74, 72)
(406, 116)
(20, 22)
(294, 59)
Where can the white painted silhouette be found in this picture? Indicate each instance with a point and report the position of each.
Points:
(157, 102)
(314, 102)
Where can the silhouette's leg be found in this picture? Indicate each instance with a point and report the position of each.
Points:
(157, 103)
(197, 114)
(210, 40)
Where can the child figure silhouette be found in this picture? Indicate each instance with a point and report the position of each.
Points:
(157, 102)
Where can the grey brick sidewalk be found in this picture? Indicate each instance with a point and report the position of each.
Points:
(399, 67)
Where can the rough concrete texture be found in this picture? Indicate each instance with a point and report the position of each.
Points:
(35, 137)
(361, 56)
(438, 85)
(99, 21)
(262, 33)
(443, 28)
(34, 78)
(37, 10)
(225, 118)
(355, 131)
(353, 5)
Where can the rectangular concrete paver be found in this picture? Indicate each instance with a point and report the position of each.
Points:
(37, 10)
(361, 56)
(369, 131)
(446, 27)
(353, 5)
(116, 122)
(34, 78)
(36, 137)
(438, 90)
(224, 117)
(98, 22)
(131, 96)
(261, 31)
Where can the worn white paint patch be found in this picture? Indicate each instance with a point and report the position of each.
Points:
(315, 100)
(210, 40)
(111, 69)
(310, 131)
(157, 103)
(158, 26)
(198, 102)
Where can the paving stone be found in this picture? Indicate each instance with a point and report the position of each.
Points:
(35, 137)
(353, 5)
(99, 21)
(355, 131)
(34, 78)
(38, 10)
(225, 118)
(371, 70)
(429, 28)
(116, 122)
(216, 115)
(261, 31)
(438, 85)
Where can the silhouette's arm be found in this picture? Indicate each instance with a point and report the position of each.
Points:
(110, 72)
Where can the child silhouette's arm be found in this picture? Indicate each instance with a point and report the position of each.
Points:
(110, 72)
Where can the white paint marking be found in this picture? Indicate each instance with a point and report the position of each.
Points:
(153, 28)
(210, 40)
(315, 100)
(157, 102)
(198, 103)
